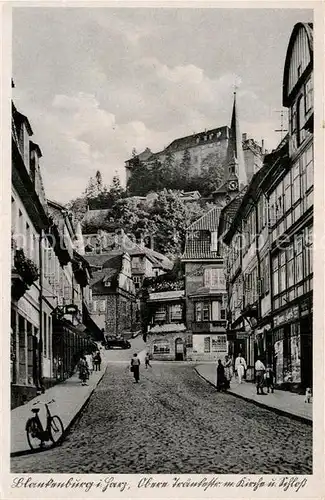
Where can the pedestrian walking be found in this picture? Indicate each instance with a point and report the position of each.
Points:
(259, 376)
(269, 379)
(240, 367)
(89, 360)
(93, 356)
(98, 361)
(220, 376)
(147, 361)
(228, 371)
(135, 367)
(83, 370)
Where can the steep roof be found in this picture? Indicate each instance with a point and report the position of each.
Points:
(109, 260)
(206, 137)
(208, 221)
(98, 277)
(200, 247)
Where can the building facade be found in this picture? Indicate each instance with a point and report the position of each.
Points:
(42, 278)
(114, 305)
(167, 339)
(269, 262)
(291, 219)
(205, 285)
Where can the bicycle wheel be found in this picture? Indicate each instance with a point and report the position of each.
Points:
(56, 429)
(33, 432)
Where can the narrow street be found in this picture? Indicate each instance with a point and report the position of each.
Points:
(173, 422)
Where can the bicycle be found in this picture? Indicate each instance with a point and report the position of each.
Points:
(35, 431)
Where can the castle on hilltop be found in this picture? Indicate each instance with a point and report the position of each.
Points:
(220, 154)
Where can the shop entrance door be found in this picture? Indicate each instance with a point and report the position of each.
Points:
(179, 349)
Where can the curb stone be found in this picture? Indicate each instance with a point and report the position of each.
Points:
(260, 404)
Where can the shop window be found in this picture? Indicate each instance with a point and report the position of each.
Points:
(207, 348)
(176, 312)
(219, 343)
(161, 347)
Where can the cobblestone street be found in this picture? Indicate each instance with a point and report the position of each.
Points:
(174, 422)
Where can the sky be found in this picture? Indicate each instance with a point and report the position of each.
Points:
(97, 82)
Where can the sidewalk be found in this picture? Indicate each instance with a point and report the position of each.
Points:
(69, 396)
(283, 402)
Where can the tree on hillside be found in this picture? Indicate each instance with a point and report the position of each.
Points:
(184, 169)
(79, 207)
(140, 182)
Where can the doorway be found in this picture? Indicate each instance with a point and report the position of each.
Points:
(179, 349)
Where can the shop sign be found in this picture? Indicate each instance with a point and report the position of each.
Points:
(287, 316)
(242, 335)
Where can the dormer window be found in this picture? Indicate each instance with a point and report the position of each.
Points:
(107, 284)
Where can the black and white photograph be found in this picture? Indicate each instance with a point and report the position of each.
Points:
(162, 236)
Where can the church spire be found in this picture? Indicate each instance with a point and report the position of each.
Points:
(235, 156)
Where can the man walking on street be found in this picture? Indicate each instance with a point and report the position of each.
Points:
(135, 367)
(240, 367)
(259, 374)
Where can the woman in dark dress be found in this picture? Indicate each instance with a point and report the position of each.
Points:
(220, 376)
(135, 367)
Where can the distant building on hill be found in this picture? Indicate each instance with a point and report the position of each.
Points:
(207, 153)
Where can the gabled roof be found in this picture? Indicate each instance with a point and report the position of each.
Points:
(98, 277)
(207, 222)
(112, 260)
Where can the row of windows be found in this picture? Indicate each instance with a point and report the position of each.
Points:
(296, 185)
(294, 263)
(298, 113)
(169, 313)
(209, 311)
(215, 278)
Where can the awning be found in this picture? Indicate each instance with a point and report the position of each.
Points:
(93, 328)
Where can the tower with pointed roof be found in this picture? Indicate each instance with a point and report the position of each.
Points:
(235, 175)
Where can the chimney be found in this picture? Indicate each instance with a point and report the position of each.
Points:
(263, 151)
(244, 137)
